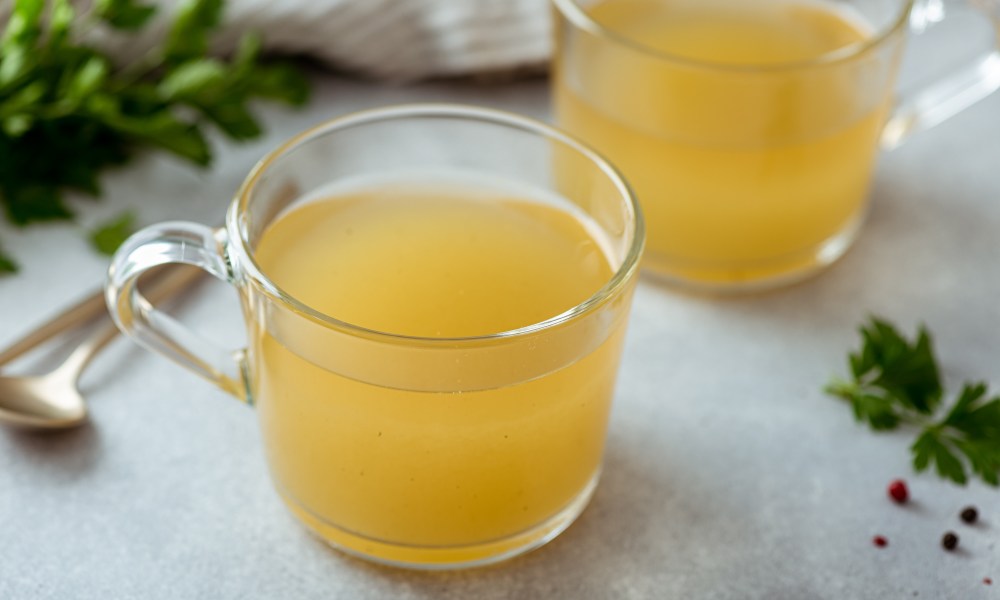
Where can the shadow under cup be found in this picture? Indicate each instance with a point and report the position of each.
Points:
(419, 451)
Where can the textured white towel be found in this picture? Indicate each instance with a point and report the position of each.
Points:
(393, 39)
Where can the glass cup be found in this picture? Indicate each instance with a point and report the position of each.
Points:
(418, 451)
(749, 128)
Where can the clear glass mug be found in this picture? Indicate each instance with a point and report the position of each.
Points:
(750, 150)
(425, 452)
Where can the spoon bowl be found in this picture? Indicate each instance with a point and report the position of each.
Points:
(52, 400)
(44, 402)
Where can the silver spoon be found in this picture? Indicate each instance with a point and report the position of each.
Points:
(52, 400)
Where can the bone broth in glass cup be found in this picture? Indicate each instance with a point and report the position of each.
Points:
(435, 318)
(749, 128)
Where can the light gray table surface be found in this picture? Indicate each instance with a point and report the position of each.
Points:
(728, 473)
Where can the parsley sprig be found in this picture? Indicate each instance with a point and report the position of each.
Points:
(897, 381)
(67, 111)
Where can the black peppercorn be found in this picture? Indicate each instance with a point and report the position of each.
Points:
(949, 541)
(969, 514)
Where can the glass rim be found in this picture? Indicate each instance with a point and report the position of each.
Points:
(246, 262)
(578, 17)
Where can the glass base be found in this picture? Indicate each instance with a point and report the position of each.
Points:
(739, 277)
(438, 557)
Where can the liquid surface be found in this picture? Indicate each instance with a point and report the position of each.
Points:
(433, 263)
(422, 476)
(732, 32)
(743, 173)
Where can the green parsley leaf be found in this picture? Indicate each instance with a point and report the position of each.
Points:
(124, 14)
(192, 78)
(984, 458)
(14, 64)
(60, 20)
(30, 203)
(897, 381)
(16, 124)
(87, 79)
(67, 113)
(189, 36)
(234, 119)
(931, 448)
(974, 415)
(281, 83)
(877, 410)
(24, 25)
(904, 370)
(109, 235)
(7, 264)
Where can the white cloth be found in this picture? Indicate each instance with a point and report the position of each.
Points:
(391, 39)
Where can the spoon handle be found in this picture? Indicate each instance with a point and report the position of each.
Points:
(84, 311)
(166, 283)
(81, 312)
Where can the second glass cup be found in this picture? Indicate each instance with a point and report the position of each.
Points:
(435, 298)
(748, 128)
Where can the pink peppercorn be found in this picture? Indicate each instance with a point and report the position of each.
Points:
(898, 492)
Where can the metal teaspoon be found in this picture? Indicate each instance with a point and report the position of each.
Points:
(53, 400)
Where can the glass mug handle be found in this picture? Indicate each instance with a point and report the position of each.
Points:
(939, 100)
(174, 242)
